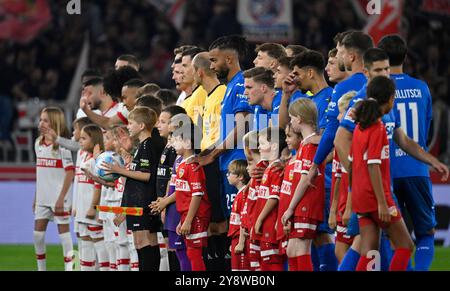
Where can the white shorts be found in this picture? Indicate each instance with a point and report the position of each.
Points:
(90, 230)
(47, 212)
(121, 234)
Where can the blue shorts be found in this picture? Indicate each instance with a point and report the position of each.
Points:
(176, 242)
(353, 225)
(414, 195)
(229, 192)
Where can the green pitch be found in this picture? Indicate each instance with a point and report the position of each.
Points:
(22, 258)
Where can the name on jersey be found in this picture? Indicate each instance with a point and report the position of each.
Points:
(164, 172)
(182, 185)
(263, 192)
(336, 166)
(49, 163)
(400, 153)
(286, 187)
(235, 219)
(408, 93)
(252, 194)
(390, 126)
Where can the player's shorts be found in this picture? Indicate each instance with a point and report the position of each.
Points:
(353, 225)
(415, 194)
(254, 255)
(229, 193)
(198, 238)
(176, 242)
(239, 262)
(270, 253)
(121, 236)
(304, 228)
(214, 190)
(148, 222)
(372, 218)
(341, 234)
(47, 212)
(324, 227)
(90, 230)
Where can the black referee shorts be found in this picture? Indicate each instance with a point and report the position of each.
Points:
(214, 190)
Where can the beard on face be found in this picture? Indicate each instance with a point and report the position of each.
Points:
(95, 104)
(222, 73)
(341, 65)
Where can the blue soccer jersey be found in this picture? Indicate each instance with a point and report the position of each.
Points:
(261, 116)
(322, 99)
(353, 83)
(297, 95)
(413, 109)
(233, 102)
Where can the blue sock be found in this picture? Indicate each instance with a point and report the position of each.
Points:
(350, 261)
(327, 258)
(315, 258)
(424, 252)
(386, 253)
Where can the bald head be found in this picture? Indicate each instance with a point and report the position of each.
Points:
(201, 61)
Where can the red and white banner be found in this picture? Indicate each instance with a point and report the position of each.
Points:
(383, 16)
(22, 20)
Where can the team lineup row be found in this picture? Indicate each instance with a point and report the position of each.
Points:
(279, 196)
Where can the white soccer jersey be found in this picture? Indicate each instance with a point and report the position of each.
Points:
(80, 113)
(122, 112)
(112, 111)
(85, 189)
(51, 167)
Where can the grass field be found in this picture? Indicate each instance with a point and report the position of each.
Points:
(22, 258)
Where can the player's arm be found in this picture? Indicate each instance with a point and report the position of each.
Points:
(136, 175)
(348, 204)
(270, 205)
(334, 203)
(288, 89)
(193, 208)
(342, 144)
(416, 151)
(239, 249)
(377, 185)
(230, 142)
(95, 201)
(101, 121)
(68, 179)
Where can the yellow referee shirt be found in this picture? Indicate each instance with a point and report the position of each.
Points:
(211, 116)
(194, 104)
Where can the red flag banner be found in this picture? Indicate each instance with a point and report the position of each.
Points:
(387, 22)
(22, 20)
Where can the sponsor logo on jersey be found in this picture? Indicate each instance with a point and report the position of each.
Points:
(163, 158)
(286, 188)
(182, 185)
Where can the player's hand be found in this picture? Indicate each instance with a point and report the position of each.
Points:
(286, 216)
(88, 173)
(91, 213)
(383, 212)
(118, 219)
(185, 228)
(289, 85)
(158, 206)
(332, 220)
(84, 104)
(239, 249)
(441, 169)
(257, 173)
(126, 156)
(258, 226)
(312, 174)
(163, 216)
(346, 216)
(279, 166)
(202, 161)
(178, 229)
(287, 228)
(49, 134)
(59, 206)
(112, 168)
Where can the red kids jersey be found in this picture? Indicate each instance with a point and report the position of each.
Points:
(269, 189)
(248, 215)
(236, 210)
(191, 183)
(312, 203)
(369, 146)
(291, 178)
(339, 172)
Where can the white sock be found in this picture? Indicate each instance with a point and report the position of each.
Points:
(134, 260)
(124, 258)
(39, 247)
(164, 262)
(87, 256)
(112, 254)
(102, 255)
(67, 245)
(79, 242)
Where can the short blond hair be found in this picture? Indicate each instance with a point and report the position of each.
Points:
(250, 141)
(306, 109)
(344, 101)
(144, 115)
(239, 168)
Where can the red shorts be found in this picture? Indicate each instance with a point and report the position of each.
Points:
(254, 255)
(372, 218)
(305, 228)
(341, 234)
(198, 238)
(239, 262)
(270, 253)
